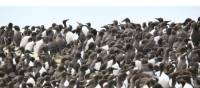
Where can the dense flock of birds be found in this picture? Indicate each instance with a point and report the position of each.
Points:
(154, 54)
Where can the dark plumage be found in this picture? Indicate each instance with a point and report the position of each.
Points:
(129, 55)
(195, 34)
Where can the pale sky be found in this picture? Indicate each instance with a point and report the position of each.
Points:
(97, 15)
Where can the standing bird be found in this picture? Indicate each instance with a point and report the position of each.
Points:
(24, 41)
(2, 30)
(195, 35)
(25, 30)
(8, 34)
(159, 19)
(38, 44)
(69, 37)
(127, 20)
(91, 30)
(163, 78)
(64, 23)
(99, 37)
(80, 32)
(172, 39)
(128, 23)
(29, 46)
(61, 43)
(182, 62)
(17, 36)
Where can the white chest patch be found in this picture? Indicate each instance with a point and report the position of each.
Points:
(31, 80)
(164, 80)
(42, 70)
(87, 71)
(30, 64)
(97, 65)
(66, 83)
(116, 66)
(97, 86)
(88, 42)
(109, 63)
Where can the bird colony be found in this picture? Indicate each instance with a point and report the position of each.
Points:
(154, 54)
